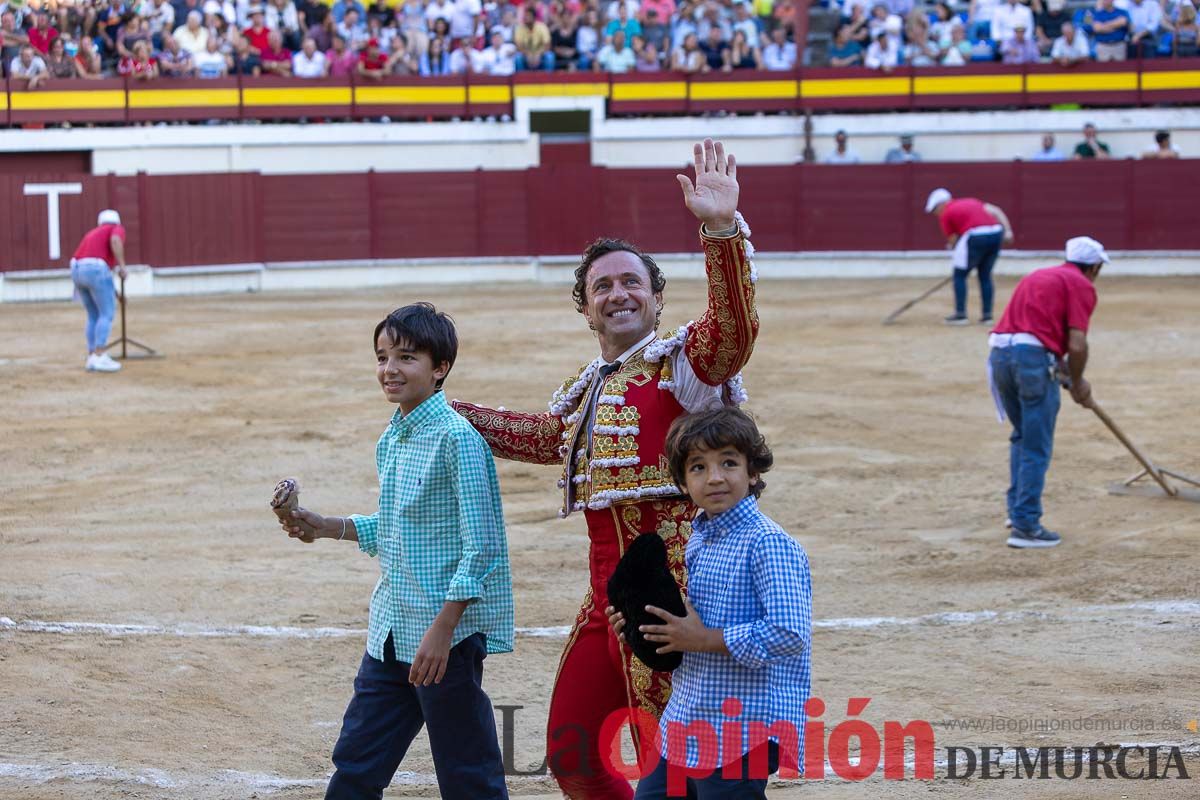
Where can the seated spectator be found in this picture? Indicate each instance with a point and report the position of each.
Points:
(507, 24)
(435, 61)
(612, 9)
(958, 52)
(1091, 146)
(845, 51)
(683, 23)
(715, 50)
(742, 54)
(311, 13)
(710, 17)
(647, 59)
(903, 153)
(465, 19)
(441, 30)
(30, 67)
(42, 34)
(881, 20)
(500, 58)
(133, 31)
(842, 154)
(463, 57)
(58, 63)
(1164, 148)
(1145, 20)
(243, 60)
(354, 30)
(564, 27)
(1109, 29)
(1007, 17)
(385, 36)
(1071, 48)
(1049, 23)
(901, 8)
(745, 22)
(192, 36)
(587, 39)
(921, 50)
(979, 19)
(340, 8)
(372, 61)
(173, 60)
(1184, 44)
(439, 9)
(12, 39)
(282, 16)
(402, 61)
(381, 11)
(945, 20)
(662, 10)
(212, 63)
(883, 54)
(656, 33)
(859, 25)
(139, 64)
(532, 39)
(780, 54)
(275, 58)
(87, 60)
(616, 57)
(687, 57)
(256, 35)
(1020, 48)
(160, 19)
(1048, 152)
(323, 32)
(308, 61)
(623, 22)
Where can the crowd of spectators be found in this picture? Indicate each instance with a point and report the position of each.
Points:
(884, 34)
(47, 40)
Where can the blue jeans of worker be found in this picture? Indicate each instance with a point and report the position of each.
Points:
(94, 284)
(1031, 398)
(387, 711)
(714, 787)
(982, 252)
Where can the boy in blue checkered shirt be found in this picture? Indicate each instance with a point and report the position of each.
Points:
(444, 598)
(745, 638)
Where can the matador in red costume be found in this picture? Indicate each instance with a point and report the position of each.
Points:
(607, 426)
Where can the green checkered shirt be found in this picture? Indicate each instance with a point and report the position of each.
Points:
(439, 533)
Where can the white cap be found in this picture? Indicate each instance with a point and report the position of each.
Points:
(1086, 250)
(108, 217)
(936, 198)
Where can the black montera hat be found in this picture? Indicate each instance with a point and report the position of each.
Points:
(641, 579)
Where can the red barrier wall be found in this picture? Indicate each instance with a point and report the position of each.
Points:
(557, 209)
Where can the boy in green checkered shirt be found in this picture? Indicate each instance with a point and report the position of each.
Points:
(444, 598)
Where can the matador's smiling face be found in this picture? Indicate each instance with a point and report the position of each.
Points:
(621, 307)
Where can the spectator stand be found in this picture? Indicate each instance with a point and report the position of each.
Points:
(73, 101)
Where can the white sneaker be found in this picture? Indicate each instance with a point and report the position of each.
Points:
(104, 363)
(90, 364)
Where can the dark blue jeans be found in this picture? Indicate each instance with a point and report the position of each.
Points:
(1031, 398)
(714, 787)
(387, 711)
(982, 252)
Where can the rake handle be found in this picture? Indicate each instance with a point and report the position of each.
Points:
(1142, 458)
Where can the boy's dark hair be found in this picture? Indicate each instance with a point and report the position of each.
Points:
(714, 430)
(602, 247)
(423, 328)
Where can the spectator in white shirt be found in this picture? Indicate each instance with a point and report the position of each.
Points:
(192, 36)
(464, 19)
(438, 9)
(979, 18)
(780, 54)
(282, 16)
(1071, 48)
(1048, 152)
(615, 56)
(308, 62)
(498, 59)
(161, 18)
(1007, 18)
(842, 154)
(883, 54)
(462, 60)
(1145, 19)
(30, 66)
(212, 63)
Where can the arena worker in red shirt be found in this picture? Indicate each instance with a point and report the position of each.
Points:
(974, 232)
(101, 250)
(606, 426)
(1045, 323)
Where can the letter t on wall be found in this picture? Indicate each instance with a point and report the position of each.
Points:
(52, 192)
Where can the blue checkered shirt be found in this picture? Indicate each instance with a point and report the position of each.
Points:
(438, 533)
(748, 577)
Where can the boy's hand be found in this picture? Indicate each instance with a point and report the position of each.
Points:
(617, 620)
(686, 634)
(433, 654)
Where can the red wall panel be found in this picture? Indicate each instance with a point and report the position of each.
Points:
(315, 217)
(427, 215)
(566, 207)
(198, 219)
(853, 207)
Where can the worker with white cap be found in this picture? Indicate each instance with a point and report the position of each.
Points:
(101, 250)
(974, 231)
(1040, 341)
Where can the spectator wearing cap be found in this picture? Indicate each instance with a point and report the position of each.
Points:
(616, 56)
(1109, 29)
(779, 55)
(1163, 149)
(1071, 48)
(372, 61)
(192, 36)
(1091, 146)
(1049, 22)
(975, 232)
(845, 51)
(1041, 339)
(903, 153)
(1145, 20)
(1020, 48)
(1048, 152)
(532, 39)
(842, 154)
(256, 35)
(1007, 17)
(884, 53)
(308, 61)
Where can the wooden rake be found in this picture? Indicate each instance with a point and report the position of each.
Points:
(1149, 469)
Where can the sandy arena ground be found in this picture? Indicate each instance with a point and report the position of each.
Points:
(141, 499)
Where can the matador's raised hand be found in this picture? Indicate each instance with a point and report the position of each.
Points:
(714, 197)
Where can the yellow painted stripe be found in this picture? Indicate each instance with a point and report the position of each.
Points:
(489, 94)
(967, 84)
(561, 90)
(673, 90)
(1085, 82)
(1181, 79)
(854, 87)
(42, 101)
(3, 102)
(176, 98)
(410, 95)
(744, 90)
(320, 96)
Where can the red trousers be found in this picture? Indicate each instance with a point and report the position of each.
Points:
(598, 676)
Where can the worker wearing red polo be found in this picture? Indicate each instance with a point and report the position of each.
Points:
(1045, 323)
(974, 231)
(101, 251)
